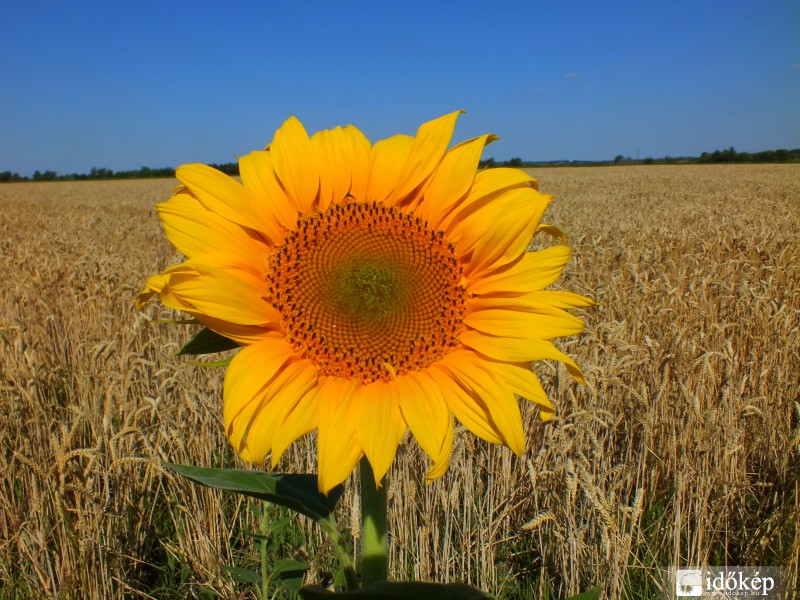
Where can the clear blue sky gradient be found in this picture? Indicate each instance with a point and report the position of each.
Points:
(126, 84)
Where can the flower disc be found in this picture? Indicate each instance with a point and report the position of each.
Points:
(367, 291)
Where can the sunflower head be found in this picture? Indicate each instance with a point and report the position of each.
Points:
(374, 289)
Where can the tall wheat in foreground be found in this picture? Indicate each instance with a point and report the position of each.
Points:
(683, 448)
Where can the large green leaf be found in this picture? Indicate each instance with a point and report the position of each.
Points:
(396, 590)
(206, 341)
(297, 492)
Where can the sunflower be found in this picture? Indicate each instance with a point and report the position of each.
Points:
(374, 289)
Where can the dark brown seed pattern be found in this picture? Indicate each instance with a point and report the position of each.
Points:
(418, 315)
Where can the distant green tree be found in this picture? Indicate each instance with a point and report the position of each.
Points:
(227, 168)
(9, 177)
(101, 173)
(768, 156)
(731, 155)
(514, 162)
(46, 176)
(728, 156)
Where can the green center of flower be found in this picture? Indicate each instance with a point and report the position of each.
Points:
(367, 291)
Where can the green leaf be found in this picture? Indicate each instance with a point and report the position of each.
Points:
(258, 537)
(292, 585)
(255, 509)
(242, 575)
(298, 492)
(206, 341)
(340, 579)
(592, 594)
(395, 590)
(276, 527)
(286, 568)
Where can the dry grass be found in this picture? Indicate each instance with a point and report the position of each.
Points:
(682, 449)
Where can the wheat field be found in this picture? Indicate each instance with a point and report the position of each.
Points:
(682, 449)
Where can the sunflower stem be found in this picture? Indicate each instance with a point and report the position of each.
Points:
(374, 536)
(264, 534)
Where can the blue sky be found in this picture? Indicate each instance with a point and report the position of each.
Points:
(122, 85)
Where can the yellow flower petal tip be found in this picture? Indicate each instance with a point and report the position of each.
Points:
(376, 289)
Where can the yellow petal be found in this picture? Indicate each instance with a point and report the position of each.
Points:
(544, 322)
(499, 232)
(258, 175)
(218, 293)
(524, 382)
(533, 271)
(296, 164)
(426, 152)
(557, 298)
(379, 424)
(442, 462)
(428, 417)
(244, 335)
(246, 380)
(487, 186)
(553, 231)
(241, 334)
(195, 231)
(159, 284)
(290, 384)
(338, 451)
(250, 268)
(228, 198)
(387, 159)
(468, 409)
(152, 286)
(492, 401)
(344, 162)
(517, 350)
(548, 302)
(452, 179)
(495, 180)
(357, 148)
(300, 419)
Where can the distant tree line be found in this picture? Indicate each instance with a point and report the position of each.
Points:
(512, 162)
(717, 156)
(732, 156)
(95, 173)
(102, 173)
